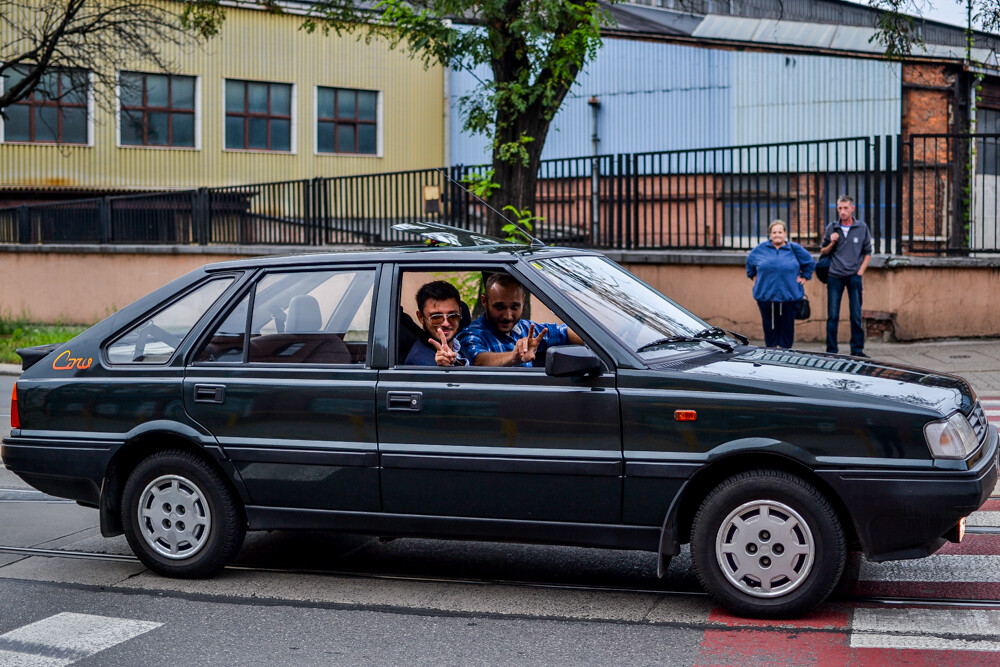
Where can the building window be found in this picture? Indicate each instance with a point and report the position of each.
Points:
(157, 110)
(55, 112)
(258, 116)
(346, 121)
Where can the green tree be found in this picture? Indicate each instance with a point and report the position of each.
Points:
(898, 25)
(534, 49)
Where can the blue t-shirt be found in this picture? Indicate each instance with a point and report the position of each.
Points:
(482, 336)
(777, 269)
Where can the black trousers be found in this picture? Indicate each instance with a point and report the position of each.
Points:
(778, 318)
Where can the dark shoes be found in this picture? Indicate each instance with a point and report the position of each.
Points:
(860, 354)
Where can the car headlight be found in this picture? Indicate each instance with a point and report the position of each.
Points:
(951, 438)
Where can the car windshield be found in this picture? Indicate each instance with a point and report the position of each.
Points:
(643, 319)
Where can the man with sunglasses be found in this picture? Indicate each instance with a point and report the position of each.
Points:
(439, 313)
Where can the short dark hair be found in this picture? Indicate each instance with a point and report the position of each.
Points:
(505, 280)
(439, 290)
(846, 198)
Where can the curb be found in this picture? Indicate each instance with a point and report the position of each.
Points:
(10, 369)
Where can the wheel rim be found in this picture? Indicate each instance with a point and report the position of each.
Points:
(174, 517)
(765, 549)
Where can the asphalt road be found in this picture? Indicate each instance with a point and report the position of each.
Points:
(321, 599)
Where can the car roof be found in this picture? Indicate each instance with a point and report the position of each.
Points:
(423, 254)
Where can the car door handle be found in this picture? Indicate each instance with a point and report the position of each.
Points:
(209, 393)
(410, 401)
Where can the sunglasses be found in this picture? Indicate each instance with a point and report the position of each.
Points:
(439, 318)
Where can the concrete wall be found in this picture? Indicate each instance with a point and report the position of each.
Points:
(931, 298)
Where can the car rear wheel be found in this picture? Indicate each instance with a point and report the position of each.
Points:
(180, 517)
(768, 544)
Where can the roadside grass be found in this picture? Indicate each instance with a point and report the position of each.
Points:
(17, 332)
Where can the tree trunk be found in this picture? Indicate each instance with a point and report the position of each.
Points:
(518, 183)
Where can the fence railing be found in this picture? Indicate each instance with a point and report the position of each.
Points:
(933, 194)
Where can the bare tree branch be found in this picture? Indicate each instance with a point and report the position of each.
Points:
(91, 40)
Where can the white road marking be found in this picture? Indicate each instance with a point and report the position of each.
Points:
(15, 659)
(983, 519)
(948, 568)
(926, 629)
(67, 637)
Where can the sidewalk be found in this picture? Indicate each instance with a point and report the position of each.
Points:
(978, 360)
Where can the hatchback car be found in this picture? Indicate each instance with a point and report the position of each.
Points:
(273, 394)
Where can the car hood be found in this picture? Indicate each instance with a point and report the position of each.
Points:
(870, 381)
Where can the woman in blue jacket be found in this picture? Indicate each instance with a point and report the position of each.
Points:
(779, 270)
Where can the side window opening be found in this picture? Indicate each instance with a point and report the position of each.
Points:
(155, 339)
(228, 342)
(411, 330)
(311, 317)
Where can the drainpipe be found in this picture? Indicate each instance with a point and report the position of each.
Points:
(595, 174)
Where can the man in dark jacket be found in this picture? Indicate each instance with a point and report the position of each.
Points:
(849, 244)
(439, 313)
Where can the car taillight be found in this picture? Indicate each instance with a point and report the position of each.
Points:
(15, 419)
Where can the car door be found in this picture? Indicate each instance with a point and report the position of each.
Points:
(500, 443)
(284, 382)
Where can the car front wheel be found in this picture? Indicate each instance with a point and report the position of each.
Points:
(767, 544)
(180, 517)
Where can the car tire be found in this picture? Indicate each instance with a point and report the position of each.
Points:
(180, 517)
(767, 544)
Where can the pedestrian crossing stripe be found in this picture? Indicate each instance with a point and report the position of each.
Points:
(67, 637)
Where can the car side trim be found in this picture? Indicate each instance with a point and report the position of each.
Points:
(645, 538)
(327, 457)
(503, 464)
(665, 469)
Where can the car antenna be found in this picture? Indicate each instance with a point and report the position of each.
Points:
(535, 242)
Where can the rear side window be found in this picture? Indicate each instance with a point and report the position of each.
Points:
(154, 340)
(305, 317)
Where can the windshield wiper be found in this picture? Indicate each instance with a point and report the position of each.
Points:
(718, 331)
(685, 339)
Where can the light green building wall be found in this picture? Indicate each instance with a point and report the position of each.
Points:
(261, 46)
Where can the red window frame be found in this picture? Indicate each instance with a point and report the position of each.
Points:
(268, 116)
(36, 100)
(145, 109)
(337, 120)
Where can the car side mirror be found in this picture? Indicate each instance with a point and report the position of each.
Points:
(571, 361)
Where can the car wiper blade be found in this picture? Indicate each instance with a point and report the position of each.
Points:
(685, 339)
(718, 331)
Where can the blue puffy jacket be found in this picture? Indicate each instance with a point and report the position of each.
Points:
(776, 270)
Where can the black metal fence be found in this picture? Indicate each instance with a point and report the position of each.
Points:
(925, 194)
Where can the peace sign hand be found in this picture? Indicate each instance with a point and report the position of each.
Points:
(526, 348)
(445, 356)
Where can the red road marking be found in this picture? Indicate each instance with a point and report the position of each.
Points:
(991, 505)
(973, 545)
(819, 619)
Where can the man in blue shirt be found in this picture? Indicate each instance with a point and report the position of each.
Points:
(439, 313)
(499, 337)
(849, 244)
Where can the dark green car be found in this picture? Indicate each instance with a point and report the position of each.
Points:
(273, 394)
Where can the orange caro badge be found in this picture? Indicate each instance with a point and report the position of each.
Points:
(64, 362)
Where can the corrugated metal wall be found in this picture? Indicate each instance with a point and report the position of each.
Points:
(657, 97)
(263, 46)
(780, 97)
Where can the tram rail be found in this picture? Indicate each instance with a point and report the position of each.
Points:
(883, 601)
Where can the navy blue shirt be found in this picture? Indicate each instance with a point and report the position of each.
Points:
(422, 354)
(776, 270)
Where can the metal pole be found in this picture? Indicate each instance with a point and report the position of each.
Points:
(595, 169)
